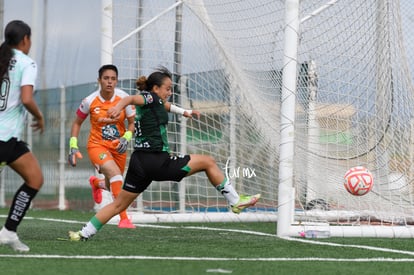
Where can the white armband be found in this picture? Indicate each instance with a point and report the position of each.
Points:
(176, 110)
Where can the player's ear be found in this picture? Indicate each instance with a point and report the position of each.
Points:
(25, 44)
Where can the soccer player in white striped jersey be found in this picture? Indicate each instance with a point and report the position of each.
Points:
(18, 75)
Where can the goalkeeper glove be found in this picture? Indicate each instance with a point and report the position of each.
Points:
(73, 151)
(123, 142)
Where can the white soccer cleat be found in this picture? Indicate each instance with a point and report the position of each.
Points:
(11, 239)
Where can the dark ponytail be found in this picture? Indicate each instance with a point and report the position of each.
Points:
(5, 55)
(14, 32)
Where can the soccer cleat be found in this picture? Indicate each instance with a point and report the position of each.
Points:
(10, 238)
(96, 192)
(76, 236)
(126, 223)
(244, 202)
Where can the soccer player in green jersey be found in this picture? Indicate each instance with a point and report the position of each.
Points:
(151, 159)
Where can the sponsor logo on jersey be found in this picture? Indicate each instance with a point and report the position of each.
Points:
(12, 64)
(102, 156)
(148, 98)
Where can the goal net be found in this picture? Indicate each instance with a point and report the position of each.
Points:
(350, 104)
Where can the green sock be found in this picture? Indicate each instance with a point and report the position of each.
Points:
(96, 223)
(91, 228)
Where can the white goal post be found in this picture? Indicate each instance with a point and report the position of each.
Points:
(293, 94)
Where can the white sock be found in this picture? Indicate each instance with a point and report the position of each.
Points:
(88, 230)
(228, 191)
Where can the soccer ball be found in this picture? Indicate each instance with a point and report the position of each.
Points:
(358, 181)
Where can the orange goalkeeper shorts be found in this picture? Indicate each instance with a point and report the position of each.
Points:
(101, 154)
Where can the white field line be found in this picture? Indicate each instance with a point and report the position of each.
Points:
(137, 257)
(310, 241)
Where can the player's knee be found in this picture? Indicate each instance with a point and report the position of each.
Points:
(121, 203)
(117, 205)
(36, 182)
(210, 161)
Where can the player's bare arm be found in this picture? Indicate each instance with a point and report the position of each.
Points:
(31, 106)
(129, 100)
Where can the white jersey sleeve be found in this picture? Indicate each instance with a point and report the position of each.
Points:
(85, 106)
(22, 72)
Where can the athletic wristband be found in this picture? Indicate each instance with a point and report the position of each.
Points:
(176, 110)
(73, 142)
(127, 135)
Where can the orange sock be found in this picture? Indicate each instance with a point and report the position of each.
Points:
(116, 187)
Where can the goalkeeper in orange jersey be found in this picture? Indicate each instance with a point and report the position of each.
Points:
(108, 137)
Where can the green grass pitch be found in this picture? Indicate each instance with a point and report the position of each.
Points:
(194, 248)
